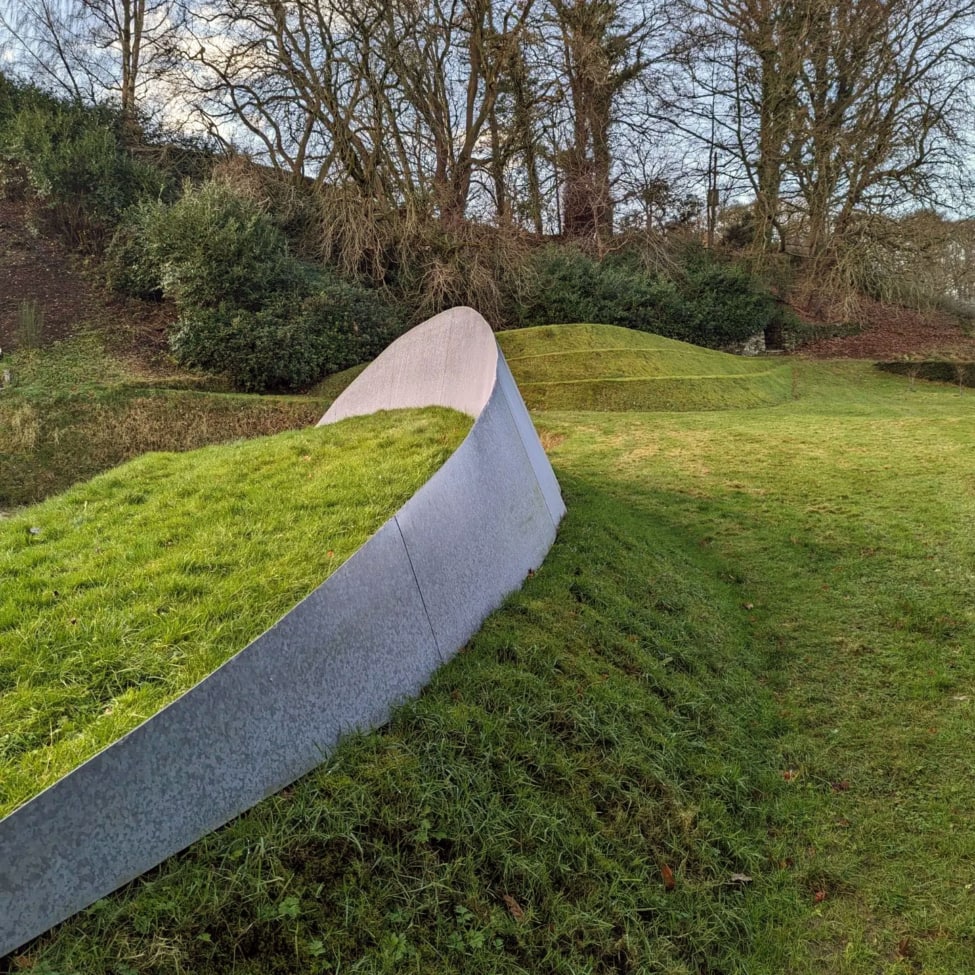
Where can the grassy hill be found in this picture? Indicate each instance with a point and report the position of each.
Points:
(724, 728)
(125, 591)
(72, 409)
(604, 367)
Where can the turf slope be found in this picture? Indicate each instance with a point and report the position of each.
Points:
(125, 591)
(605, 367)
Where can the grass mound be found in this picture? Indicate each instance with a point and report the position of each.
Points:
(127, 590)
(724, 728)
(569, 795)
(605, 367)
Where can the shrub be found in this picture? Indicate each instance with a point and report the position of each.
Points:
(354, 323)
(209, 248)
(725, 304)
(78, 168)
(290, 342)
(260, 351)
(130, 266)
(570, 286)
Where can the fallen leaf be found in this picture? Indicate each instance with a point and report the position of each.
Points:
(819, 896)
(668, 876)
(841, 786)
(789, 774)
(514, 907)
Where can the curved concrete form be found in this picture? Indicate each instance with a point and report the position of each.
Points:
(367, 638)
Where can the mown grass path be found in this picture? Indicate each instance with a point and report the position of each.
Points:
(847, 520)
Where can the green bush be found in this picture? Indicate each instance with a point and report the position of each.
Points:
(725, 304)
(570, 286)
(290, 342)
(78, 167)
(248, 308)
(130, 266)
(260, 351)
(355, 324)
(707, 303)
(209, 248)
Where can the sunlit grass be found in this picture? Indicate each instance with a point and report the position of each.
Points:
(129, 589)
(605, 367)
(72, 411)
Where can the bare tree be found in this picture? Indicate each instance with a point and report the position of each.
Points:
(395, 98)
(880, 94)
(603, 50)
(834, 110)
(93, 49)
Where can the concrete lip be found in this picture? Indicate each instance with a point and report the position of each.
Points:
(366, 639)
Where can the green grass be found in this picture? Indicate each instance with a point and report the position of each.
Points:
(605, 367)
(73, 410)
(125, 591)
(746, 666)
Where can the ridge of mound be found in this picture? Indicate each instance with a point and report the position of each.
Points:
(606, 367)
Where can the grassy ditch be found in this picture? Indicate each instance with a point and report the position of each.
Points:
(72, 411)
(957, 371)
(604, 367)
(125, 591)
(848, 521)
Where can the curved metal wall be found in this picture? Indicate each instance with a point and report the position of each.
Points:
(368, 637)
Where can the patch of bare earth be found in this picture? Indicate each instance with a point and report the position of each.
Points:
(890, 332)
(34, 268)
(38, 269)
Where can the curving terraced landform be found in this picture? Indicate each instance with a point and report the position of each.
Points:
(368, 637)
(605, 367)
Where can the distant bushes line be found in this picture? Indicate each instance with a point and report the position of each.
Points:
(957, 371)
(703, 301)
(277, 285)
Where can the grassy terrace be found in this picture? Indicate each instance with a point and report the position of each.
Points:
(604, 367)
(127, 590)
(724, 728)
